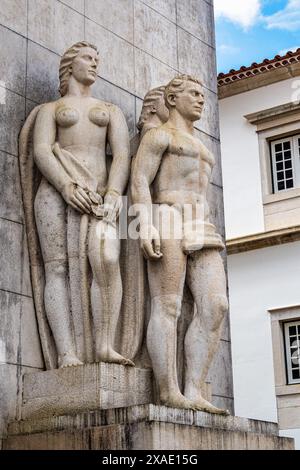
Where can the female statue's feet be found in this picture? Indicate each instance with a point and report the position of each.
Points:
(68, 360)
(112, 356)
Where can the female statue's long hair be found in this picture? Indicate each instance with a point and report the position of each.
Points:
(65, 67)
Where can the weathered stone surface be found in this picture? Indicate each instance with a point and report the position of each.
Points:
(106, 91)
(77, 5)
(42, 74)
(166, 8)
(145, 427)
(115, 15)
(18, 331)
(13, 14)
(11, 235)
(82, 388)
(12, 115)
(11, 197)
(215, 200)
(117, 56)
(219, 373)
(155, 34)
(197, 58)
(12, 60)
(150, 73)
(196, 17)
(213, 146)
(54, 25)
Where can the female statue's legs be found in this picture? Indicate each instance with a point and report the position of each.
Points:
(50, 214)
(106, 289)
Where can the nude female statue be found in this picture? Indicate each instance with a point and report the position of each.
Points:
(69, 149)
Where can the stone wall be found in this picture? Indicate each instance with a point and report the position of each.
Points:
(142, 44)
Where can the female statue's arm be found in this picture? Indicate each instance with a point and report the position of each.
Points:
(118, 138)
(43, 140)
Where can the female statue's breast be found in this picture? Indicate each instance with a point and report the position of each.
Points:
(99, 116)
(66, 117)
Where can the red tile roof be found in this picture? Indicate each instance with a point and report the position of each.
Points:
(256, 69)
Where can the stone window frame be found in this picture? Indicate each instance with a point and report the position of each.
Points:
(287, 395)
(280, 316)
(273, 124)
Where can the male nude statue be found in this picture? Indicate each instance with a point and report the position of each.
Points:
(173, 170)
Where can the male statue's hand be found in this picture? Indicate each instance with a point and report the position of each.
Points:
(77, 198)
(112, 206)
(150, 242)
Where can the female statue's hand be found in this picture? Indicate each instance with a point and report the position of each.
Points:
(112, 206)
(77, 198)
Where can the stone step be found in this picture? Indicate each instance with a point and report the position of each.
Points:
(145, 427)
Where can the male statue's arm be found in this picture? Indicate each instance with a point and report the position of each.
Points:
(146, 166)
(118, 138)
(43, 140)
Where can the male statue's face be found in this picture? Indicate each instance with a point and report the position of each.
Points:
(85, 65)
(189, 102)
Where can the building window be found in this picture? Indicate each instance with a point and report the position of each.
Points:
(286, 163)
(292, 349)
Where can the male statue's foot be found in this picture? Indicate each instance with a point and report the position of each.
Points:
(177, 400)
(113, 357)
(68, 360)
(204, 405)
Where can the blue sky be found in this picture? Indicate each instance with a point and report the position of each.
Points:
(251, 30)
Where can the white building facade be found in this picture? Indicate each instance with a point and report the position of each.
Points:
(260, 141)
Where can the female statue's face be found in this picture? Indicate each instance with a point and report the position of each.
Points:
(85, 65)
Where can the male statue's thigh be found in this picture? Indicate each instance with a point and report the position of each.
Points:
(205, 272)
(50, 216)
(167, 275)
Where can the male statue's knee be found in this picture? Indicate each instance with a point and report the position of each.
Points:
(219, 307)
(170, 305)
(220, 304)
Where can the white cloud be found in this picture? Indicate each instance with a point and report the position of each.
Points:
(245, 13)
(228, 49)
(292, 49)
(288, 18)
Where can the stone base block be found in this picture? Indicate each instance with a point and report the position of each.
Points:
(147, 427)
(85, 388)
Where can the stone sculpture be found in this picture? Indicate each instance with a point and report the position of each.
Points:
(172, 171)
(72, 205)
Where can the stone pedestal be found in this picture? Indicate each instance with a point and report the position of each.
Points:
(84, 388)
(146, 427)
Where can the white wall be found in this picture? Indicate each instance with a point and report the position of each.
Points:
(258, 281)
(240, 159)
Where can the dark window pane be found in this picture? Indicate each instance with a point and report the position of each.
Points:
(279, 166)
(286, 145)
(280, 176)
(279, 157)
(288, 164)
(292, 330)
(289, 184)
(287, 155)
(289, 174)
(280, 186)
(278, 147)
(296, 374)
